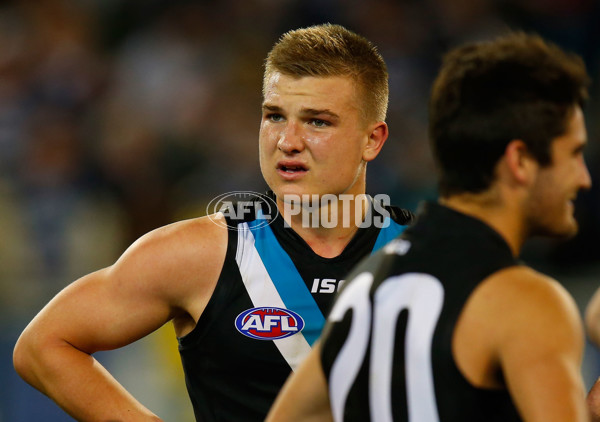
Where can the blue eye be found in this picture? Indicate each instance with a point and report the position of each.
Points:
(275, 117)
(319, 123)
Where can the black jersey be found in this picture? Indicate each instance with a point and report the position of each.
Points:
(267, 309)
(387, 345)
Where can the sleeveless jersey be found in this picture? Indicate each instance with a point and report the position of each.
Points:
(267, 309)
(387, 345)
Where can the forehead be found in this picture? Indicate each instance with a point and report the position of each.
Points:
(331, 92)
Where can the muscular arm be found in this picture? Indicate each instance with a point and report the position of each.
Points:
(535, 338)
(304, 396)
(155, 280)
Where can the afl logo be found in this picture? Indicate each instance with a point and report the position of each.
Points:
(238, 205)
(269, 323)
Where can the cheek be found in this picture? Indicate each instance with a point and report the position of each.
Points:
(265, 140)
(539, 199)
(344, 150)
(264, 149)
(316, 142)
(551, 198)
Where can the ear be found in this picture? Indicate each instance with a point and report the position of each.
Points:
(520, 164)
(377, 137)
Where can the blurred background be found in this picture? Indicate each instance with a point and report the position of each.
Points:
(118, 116)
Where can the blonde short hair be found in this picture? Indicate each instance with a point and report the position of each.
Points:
(332, 50)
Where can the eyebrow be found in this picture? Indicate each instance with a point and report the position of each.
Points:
(304, 111)
(268, 107)
(317, 112)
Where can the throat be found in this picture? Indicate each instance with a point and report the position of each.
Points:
(327, 243)
(327, 228)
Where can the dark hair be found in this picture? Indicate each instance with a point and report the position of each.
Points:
(332, 50)
(489, 93)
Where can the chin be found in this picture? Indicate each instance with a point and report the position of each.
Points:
(571, 227)
(281, 192)
(572, 232)
(564, 232)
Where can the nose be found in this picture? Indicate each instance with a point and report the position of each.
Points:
(586, 179)
(291, 139)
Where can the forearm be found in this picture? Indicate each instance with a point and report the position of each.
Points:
(78, 384)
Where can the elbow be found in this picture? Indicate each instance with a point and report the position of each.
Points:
(28, 354)
(23, 354)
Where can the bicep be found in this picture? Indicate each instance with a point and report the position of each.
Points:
(103, 310)
(167, 273)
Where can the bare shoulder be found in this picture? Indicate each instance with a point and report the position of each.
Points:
(516, 319)
(177, 260)
(524, 286)
(534, 338)
(201, 235)
(526, 301)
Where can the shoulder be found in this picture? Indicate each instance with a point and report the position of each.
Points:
(516, 319)
(523, 284)
(526, 304)
(176, 257)
(181, 239)
(533, 337)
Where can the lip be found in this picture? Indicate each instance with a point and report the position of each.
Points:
(300, 169)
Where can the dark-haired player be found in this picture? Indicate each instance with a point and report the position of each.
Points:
(445, 324)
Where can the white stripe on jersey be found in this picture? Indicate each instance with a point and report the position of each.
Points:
(263, 293)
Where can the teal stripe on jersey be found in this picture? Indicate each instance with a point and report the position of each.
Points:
(389, 231)
(287, 280)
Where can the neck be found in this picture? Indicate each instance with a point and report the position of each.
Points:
(505, 217)
(327, 225)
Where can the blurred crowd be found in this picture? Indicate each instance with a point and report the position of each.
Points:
(118, 116)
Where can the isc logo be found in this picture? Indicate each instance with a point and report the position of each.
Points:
(326, 285)
(269, 323)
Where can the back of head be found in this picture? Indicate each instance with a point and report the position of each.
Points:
(487, 94)
(332, 50)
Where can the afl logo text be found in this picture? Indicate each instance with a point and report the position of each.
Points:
(238, 205)
(269, 323)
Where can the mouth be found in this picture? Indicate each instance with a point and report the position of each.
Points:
(291, 168)
(571, 204)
